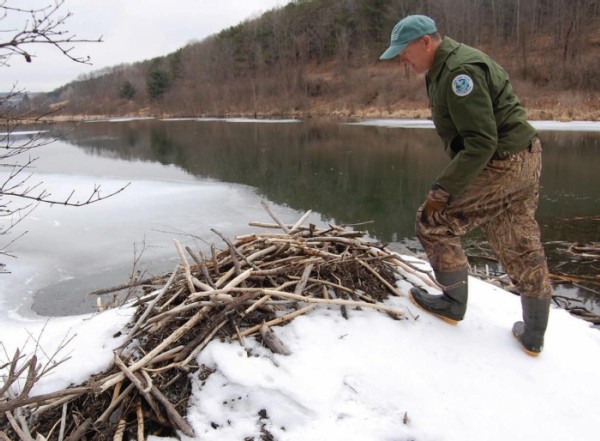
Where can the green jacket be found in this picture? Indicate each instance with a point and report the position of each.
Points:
(475, 112)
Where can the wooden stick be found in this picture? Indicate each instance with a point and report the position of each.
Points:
(225, 277)
(278, 320)
(167, 355)
(334, 239)
(262, 253)
(387, 309)
(172, 298)
(54, 403)
(246, 238)
(133, 284)
(274, 217)
(114, 403)
(272, 341)
(173, 311)
(305, 248)
(139, 412)
(13, 423)
(147, 379)
(63, 423)
(268, 225)
(304, 279)
(23, 421)
(186, 266)
(201, 263)
(120, 430)
(32, 375)
(116, 391)
(15, 372)
(256, 304)
(231, 288)
(6, 406)
(575, 279)
(81, 430)
(272, 272)
(174, 416)
(236, 263)
(214, 260)
(203, 286)
(411, 269)
(293, 261)
(239, 279)
(298, 224)
(193, 255)
(149, 308)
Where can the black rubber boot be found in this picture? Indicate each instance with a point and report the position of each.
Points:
(452, 304)
(530, 332)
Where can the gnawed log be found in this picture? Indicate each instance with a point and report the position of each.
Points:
(272, 341)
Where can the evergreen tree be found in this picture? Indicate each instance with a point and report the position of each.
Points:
(127, 91)
(157, 83)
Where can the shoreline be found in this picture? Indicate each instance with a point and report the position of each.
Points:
(552, 113)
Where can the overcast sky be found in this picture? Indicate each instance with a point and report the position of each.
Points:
(131, 30)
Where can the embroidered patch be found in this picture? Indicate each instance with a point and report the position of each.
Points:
(462, 85)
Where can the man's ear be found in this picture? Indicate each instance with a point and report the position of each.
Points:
(427, 40)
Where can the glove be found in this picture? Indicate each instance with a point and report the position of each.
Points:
(456, 145)
(436, 202)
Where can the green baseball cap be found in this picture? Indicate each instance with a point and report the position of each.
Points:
(406, 30)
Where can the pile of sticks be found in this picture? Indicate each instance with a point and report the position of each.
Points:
(589, 251)
(258, 281)
(580, 258)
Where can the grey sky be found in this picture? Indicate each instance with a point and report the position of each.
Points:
(132, 30)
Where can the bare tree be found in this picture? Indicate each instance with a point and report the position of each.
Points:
(44, 25)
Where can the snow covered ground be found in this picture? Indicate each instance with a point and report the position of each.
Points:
(368, 377)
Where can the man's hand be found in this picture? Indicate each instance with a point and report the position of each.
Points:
(436, 202)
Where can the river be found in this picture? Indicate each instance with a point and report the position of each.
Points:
(187, 177)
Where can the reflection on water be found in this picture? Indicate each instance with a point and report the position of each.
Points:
(348, 173)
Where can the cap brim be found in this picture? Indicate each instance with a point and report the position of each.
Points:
(393, 51)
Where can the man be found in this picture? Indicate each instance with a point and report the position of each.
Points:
(491, 182)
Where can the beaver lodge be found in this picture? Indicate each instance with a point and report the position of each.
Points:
(258, 281)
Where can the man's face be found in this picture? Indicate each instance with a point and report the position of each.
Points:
(418, 55)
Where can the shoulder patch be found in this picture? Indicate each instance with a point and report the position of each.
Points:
(462, 85)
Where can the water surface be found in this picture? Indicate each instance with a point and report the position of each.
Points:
(190, 175)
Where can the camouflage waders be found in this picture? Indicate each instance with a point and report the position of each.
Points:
(502, 200)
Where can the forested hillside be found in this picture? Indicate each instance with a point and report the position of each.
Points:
(320, 57)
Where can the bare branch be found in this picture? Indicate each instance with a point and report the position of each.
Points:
(25, 371)
(45, 26)
(44, 196)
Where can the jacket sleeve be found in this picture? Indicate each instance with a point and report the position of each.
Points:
(470, 107)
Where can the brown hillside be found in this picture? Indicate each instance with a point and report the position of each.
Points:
(320, 58)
